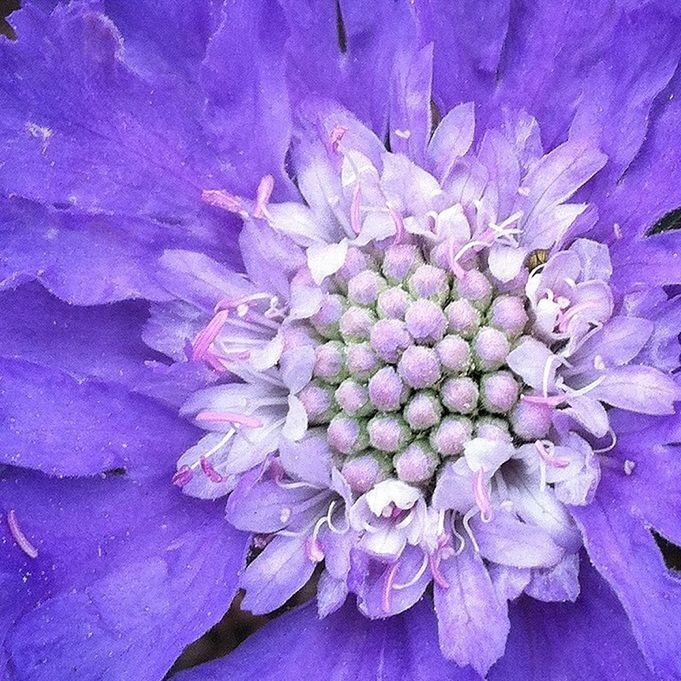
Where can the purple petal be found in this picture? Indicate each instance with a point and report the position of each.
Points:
(345, 645)
(651, 186)
(410, 104)
(125, 577)
(469, 39)
(58, 95)
(509, 541)
(451, 140)
(84, 259)
(266, 506)
(345, 69)
(385, 591)
(617, 343)
(624, 552)
(472, 622)
(276, 574)
(589, 640)
(551, 181)
(65, 426)
(643, 52)
(310, 459)
(247, 113)
(558, 583)
(638, 388)
(641, 264)
(100, 342)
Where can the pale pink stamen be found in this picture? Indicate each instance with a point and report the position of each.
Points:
(571, 312)
(183, 476)
(262, 196)
(19, 537)
(335, 138)
(547, 454)
(206, 337)
(454, 266)
(209, 471)
(229, 417)
(389, 581)
(475, 245)
(549, 401)
(416, 577)
(355, 218)
(214, 361)
(222, 199)
(482, 497)
(313, 551)
(611, 446)
(438, 577)
(399, 225)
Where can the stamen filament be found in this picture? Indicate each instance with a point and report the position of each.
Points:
(19, 537)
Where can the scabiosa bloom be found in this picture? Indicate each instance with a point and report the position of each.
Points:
(363, 297)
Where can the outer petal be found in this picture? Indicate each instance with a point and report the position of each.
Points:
(589, 640)
(472, 622)
(344, 646)
(469, 38)
(410, 118)
(651, 186)
(645, 263)
(354, 47)
(62, 426)
(554, 63)
(83, 258)
(624, 552)
(125, 577)
(100, 342)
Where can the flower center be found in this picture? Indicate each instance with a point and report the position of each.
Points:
(412, 364)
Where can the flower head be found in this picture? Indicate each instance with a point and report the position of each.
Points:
(437, 370)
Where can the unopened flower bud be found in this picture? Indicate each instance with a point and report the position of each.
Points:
(460, 395)
(426, 322)
(490, 349)
(419, 367)
(499, 392)
(417, 463)
(454, 354)
(451, 436)
(388, 433)
(423, 411)
(464, 319)
(386, 390)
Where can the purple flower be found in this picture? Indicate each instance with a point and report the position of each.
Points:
(369, 295)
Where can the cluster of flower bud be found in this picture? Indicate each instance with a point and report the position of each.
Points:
(412, 365)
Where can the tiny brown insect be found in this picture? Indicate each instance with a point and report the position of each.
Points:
(538, 257)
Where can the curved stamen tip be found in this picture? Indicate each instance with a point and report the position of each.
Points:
(262, 196)
(183, 476)
(546, 451)
(399, 224)
(482, 496)
(314, 551)
(205, 338)
(209, 471)
(438, 577)
(335, 137)
(19, 537)
(388, 587)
